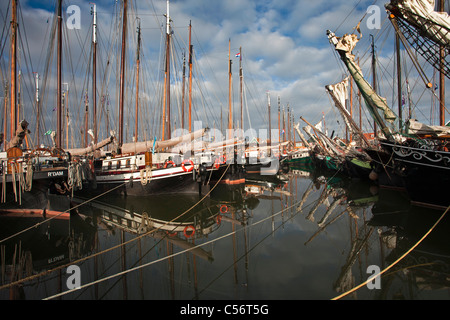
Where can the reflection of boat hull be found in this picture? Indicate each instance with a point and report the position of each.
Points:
(47, 242)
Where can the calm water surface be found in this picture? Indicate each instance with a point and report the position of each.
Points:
(296, 236)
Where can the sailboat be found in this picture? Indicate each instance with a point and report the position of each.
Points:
(418, 156)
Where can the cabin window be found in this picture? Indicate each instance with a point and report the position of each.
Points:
(118, 164)
(109, 165)
(128, 163)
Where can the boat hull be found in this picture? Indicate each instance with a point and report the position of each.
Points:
(425, 173)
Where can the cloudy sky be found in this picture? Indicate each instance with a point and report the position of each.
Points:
(285, 52)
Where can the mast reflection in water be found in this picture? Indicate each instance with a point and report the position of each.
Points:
(297, 235)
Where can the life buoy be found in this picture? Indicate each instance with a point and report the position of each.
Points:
(191, 167)
(169, 162)
(216, 163)
(223, 158)
(189, 231)
(223, 209)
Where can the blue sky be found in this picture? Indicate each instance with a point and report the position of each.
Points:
(284, 43)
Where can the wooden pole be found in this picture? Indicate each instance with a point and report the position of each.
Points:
(138, 62)
(374, 84)
(190, 78)
(399, 82)
(441, 77)
(241, 91)
(94, 74)
(270, 125)
(122, 71)
(230, 77)
(13, 86)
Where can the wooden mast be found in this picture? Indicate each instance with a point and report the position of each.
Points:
(279, 127)
(374, 84)
(138, 62)
(190, 78)
(166, 111)
(122, 72)
(37, 109)
(94, 74)
(270, 124)
(441, 76)
(59, 81)
(241, 80)
(183, 90)
(13, 86)
(399, 82)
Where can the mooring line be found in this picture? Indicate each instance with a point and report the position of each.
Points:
(396, 261)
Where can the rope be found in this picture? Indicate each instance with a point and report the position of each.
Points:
(104, 251)
(395, 262)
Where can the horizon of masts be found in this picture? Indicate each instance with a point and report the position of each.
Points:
(62, 116)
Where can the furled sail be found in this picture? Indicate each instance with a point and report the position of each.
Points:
(339, 94)
(91, 148)
(344, 46)
(138, 147)
(417, 128)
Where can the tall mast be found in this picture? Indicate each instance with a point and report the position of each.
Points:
(37, 109)
(59, 81)
(183, 90)
(166, 113)
(122, 72)
(13, 87)
(230, 76)
(190, 78)
(441, 76)
(241, 78)
(138, 62)
(399, 81)
(270, 124)
(374, 84)
(94, 73)
(279, 126)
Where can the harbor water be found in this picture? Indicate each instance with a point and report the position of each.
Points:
(299, 235)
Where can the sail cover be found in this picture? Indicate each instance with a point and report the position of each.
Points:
(340, 91)
(415, 127)
(344, 46)
(420, 14)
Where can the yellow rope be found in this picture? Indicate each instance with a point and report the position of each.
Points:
(395, 262)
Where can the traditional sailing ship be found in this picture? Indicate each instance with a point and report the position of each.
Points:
(150, 167)
(27, 174)
(418, 156)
